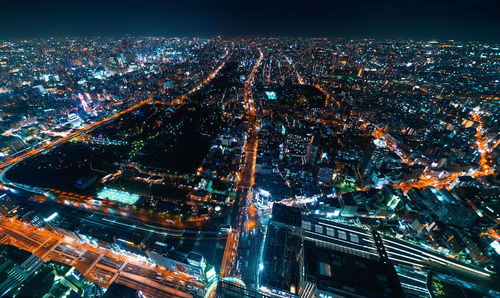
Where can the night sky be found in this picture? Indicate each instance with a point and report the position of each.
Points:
(419, 19)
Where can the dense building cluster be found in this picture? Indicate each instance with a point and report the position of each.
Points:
(258, 167)
(49, 87)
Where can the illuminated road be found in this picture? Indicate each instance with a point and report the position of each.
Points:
(71, 135)
(98, 263)
(229, 251)
(246, 178)
(94, 261)
(105, 120)
(379, 134)
(428, 178)
(109, 207)
(299, 77)
(80, 201)
(482, 145)
(327, 95)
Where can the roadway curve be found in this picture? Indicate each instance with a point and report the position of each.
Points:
(5, 166)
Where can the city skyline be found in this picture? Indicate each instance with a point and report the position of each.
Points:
(203, 149)
(421, 20)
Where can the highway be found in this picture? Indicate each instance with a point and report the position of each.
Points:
(110, 207)
(97, 263)
(80, 201)
(62, 140)
(93, 125)
(239, 218)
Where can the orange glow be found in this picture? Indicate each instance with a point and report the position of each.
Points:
(482, 145)
(250, 225)
(245, 178)
(379, 134)
(429, 179)
(46, 243)
(105, 120)
(494, 234)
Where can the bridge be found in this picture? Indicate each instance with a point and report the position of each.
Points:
(98, 263)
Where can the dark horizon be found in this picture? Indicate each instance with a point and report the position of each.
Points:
(464, 20)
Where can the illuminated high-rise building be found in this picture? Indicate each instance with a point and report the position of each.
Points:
(84, 104)
(373, 159)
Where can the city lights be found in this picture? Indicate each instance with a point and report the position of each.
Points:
(205, 167)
